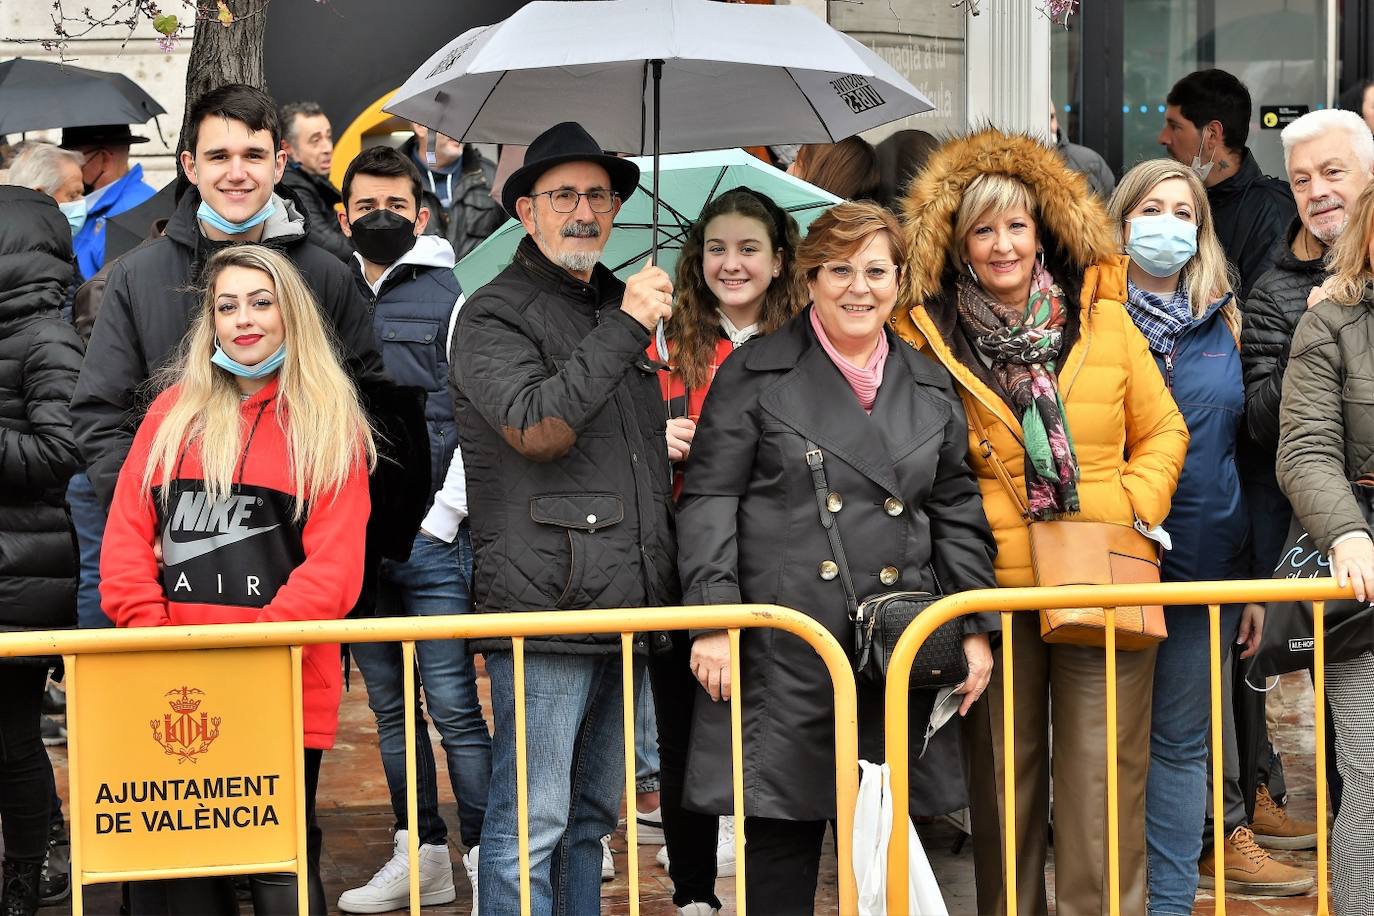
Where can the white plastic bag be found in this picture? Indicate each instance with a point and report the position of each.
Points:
(872, 831)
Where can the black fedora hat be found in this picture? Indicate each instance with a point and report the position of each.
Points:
(566, 142)
(99, 135)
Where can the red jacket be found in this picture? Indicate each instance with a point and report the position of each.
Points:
(240, 560)
(681, 401)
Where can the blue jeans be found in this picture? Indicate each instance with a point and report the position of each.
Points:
(576, 766)
(88, 518)
(1180, 733)
(434, 581)
(646, 738)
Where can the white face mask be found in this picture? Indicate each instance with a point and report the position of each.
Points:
(75, 211)
(1200, 169)
(947, 703)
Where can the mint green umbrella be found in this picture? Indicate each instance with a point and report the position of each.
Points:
(687, 181)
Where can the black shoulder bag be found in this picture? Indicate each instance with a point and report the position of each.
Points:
(880, 620)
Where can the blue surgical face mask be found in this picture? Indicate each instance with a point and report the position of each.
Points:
(261, 370)
(1161, 244)
(75, 211)
(206, 214)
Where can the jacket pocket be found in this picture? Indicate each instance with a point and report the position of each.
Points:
(410, 351)
(581, 516)
(1358, 390)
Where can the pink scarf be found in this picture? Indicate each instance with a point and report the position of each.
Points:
(865, 380)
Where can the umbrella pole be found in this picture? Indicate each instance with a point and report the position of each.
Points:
(660, 338)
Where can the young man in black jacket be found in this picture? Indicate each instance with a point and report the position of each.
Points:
(1206, 124)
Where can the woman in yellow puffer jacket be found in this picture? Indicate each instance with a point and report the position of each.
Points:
(1017, 287)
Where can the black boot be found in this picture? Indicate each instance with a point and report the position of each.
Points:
(55, 879)
(275, 894)
(21, 888)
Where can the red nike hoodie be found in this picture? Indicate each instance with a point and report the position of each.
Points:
(241, 559)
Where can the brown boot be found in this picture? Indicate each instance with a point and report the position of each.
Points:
(1250, 870)
(1274, 829)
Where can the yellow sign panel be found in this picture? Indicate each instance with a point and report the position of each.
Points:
(192, 760)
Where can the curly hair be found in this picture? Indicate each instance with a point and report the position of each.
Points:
(695, 326)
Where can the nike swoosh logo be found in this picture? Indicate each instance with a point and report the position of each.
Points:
(174, 553)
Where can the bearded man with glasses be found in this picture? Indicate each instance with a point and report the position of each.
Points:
(569, 488)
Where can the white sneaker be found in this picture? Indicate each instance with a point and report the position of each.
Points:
(607, 863)
(470, 863)
(650, 827)
(389, 889)
(725, 850)
(698, 909)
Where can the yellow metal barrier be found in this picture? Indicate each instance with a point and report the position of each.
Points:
(1010, 600)
(71, 644)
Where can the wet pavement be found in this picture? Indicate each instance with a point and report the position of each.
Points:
(356, 818)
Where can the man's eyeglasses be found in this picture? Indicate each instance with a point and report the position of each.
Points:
(565, 200)
(841, 276)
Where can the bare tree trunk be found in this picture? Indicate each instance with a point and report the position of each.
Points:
(224, 54)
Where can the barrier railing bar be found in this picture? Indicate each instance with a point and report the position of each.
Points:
(628, 709)
(737, 769)
(1113, 777)
(302, 868)
(1319, 720)
(1218, 756)
(1008, 763)
(168, 874)
(1078, 596)
(522, 787)
(513, 626)
(412, 778)
(75, 807)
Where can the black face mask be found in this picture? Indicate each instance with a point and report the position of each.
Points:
(382, 236)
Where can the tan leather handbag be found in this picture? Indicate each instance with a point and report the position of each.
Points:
(1069, 552)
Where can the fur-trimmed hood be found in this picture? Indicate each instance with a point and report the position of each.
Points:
(1074, 226)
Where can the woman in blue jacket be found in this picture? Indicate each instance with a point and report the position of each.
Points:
(1179, 296)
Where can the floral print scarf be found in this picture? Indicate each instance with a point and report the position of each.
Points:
(1023, 346)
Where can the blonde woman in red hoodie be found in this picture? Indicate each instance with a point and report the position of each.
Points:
(245, 499)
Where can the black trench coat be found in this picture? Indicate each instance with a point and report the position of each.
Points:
(749, 531)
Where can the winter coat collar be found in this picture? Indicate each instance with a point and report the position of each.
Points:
(1285, 259)
(1074, 224)
(1247, 174)
(811, 379)
(604, 287)
(124, 193)
(284, 227)
(428, 251)
(35, 255)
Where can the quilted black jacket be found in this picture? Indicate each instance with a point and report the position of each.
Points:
(562, 424)
(1276, 303)
(40, 356)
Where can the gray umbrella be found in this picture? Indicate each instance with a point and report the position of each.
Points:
(38, 95)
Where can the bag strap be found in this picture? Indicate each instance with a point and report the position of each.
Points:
(815, 460)
(989, 454)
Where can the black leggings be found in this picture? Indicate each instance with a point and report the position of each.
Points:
(782, 861)
(273, 895)
(25, 795)
(689, 836)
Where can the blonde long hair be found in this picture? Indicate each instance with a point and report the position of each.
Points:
(1352, 275)
(327, 433)
(1206, 276)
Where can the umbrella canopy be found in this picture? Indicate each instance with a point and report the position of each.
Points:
(687, 182)
(38, 95)
(732, 75)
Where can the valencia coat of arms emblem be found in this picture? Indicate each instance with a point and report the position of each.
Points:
(186, 731)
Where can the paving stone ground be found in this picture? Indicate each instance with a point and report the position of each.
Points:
(356, 818)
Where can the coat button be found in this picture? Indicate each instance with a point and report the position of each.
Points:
(829, 570)
(888, 575)
(834, 502)
(893, 506)
(591, 520)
